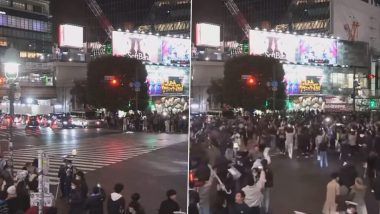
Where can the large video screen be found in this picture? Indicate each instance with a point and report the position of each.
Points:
(207, 35)
(303, 79)
(293, 48)
(70, 36)
(151, 48)
(167, 80)
(140, 46)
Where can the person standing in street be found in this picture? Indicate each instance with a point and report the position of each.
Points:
(239, 207)
(376, 188)
(289, 140)
(62, 177)
(134, 206)
(268, 185)
(76, 200)
(358, 190)
(332, 192)
(170, 205)
(116, 201)
(322, 151)
(94, 203)
(253, 191)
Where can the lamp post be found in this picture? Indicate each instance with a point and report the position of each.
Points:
(11, 69)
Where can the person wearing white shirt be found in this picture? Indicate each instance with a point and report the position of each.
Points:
(254, 192)
(289, 140)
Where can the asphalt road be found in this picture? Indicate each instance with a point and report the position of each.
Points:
(149, 164)
(300, 185)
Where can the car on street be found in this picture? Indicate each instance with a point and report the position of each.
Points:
(63, 120)
(32, 123)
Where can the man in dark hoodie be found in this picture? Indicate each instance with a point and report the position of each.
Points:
(239, 207)
(134, 206)
(170, 205)
(94, 203)
(116, 201)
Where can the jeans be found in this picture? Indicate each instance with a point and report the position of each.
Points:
(267, 199)
(323, 159)
(204, 208)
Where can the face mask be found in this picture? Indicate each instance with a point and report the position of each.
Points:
(72, 187)
(77, 177)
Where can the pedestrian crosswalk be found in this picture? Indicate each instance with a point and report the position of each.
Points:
(4, 133)
(89, 156)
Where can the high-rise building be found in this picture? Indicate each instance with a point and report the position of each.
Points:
(27, 26)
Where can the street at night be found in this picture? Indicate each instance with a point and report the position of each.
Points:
(149, 164)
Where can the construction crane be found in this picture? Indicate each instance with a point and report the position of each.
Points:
(238, 16)
(103, 20)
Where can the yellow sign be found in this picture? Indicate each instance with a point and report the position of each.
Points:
(172, 87)
(309, 86)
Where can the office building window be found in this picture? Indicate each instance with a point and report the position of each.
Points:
(5, 2)
(19, 5)
(23, 23)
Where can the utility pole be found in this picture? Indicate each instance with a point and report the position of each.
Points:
(354, 92)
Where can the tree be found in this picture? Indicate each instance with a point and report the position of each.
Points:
(254, 94)
(102, 93)
(215, 92)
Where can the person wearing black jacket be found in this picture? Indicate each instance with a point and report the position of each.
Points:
(193, 202)
(62, 178)
(116, 202)
(376, 188)
(268, 184)
(322, 151)
(134, 206)
(94, 203)
(84, 188)
(239, 207)
(76, 200)
(170, 205)
(347, 175)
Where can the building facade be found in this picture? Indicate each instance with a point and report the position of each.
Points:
(26, 25)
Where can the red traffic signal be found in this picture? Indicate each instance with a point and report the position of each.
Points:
(371, 76)
(251, 81)
(114, 82)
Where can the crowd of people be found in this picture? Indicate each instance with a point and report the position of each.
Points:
(15, 193)
(230, 159)
(152, 122)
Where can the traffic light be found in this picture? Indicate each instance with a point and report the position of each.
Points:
(114, 82)
(266, 104)
(251, 81)
(372, 103)
(289, 104)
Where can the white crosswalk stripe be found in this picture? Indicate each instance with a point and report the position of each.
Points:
(90, 156)
(4, 133)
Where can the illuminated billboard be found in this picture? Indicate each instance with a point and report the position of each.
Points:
(207, 35)
(151, 48)
(167, 81)
(293, 48)
(175, 51)
(140, 46)
(303, 79)
(70, 36)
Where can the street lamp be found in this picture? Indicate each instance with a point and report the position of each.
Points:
(11, 65)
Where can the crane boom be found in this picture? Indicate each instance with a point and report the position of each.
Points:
(103, 20)
(238, 16)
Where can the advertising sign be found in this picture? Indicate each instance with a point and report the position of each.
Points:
(167, 81)
(337, 104)
(175, 51)
(150, 48)
(70, 36)
(303, 79)
(355, 20)
(140, 46)
(207, 35)
(293, 48)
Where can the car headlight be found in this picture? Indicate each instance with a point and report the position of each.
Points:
(97, 123)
